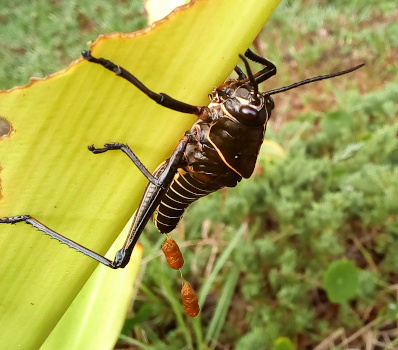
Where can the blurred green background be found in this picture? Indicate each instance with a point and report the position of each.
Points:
(304, 254)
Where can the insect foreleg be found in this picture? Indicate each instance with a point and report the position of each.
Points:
(240, 73)
(163, 99)
(127, 150)
(267, 72)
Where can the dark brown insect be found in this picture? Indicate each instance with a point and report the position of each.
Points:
(189, 300)
(172, 253)
(218, 151)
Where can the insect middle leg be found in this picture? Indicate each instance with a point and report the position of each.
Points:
(127, 150)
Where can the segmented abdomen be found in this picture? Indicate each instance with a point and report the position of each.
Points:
(183, 191)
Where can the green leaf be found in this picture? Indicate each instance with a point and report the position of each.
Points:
(96, 316)
(221, 261)
(341, 281)
(220, 313)
(47, 172)
(283, 343)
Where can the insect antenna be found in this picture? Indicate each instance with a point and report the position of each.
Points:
(311, 80)
(251, 76)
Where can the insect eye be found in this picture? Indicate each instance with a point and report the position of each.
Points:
(248, 111)
(270, 102)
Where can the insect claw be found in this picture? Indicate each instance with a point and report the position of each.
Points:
(14, 219)
(96, 150)
(87, 54)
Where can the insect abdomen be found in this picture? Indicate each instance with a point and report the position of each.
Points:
(183, 191)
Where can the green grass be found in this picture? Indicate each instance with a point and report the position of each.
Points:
(332, 197)
(40, 37)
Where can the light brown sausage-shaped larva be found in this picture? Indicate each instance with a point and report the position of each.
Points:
(172, 253)
(189, 300)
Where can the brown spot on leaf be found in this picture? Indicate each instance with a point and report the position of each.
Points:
(5, 128)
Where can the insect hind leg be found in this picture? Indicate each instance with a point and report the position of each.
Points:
(129, 152)
(46, 230)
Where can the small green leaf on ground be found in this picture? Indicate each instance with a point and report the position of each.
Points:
(341, 281)
(283, 343)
